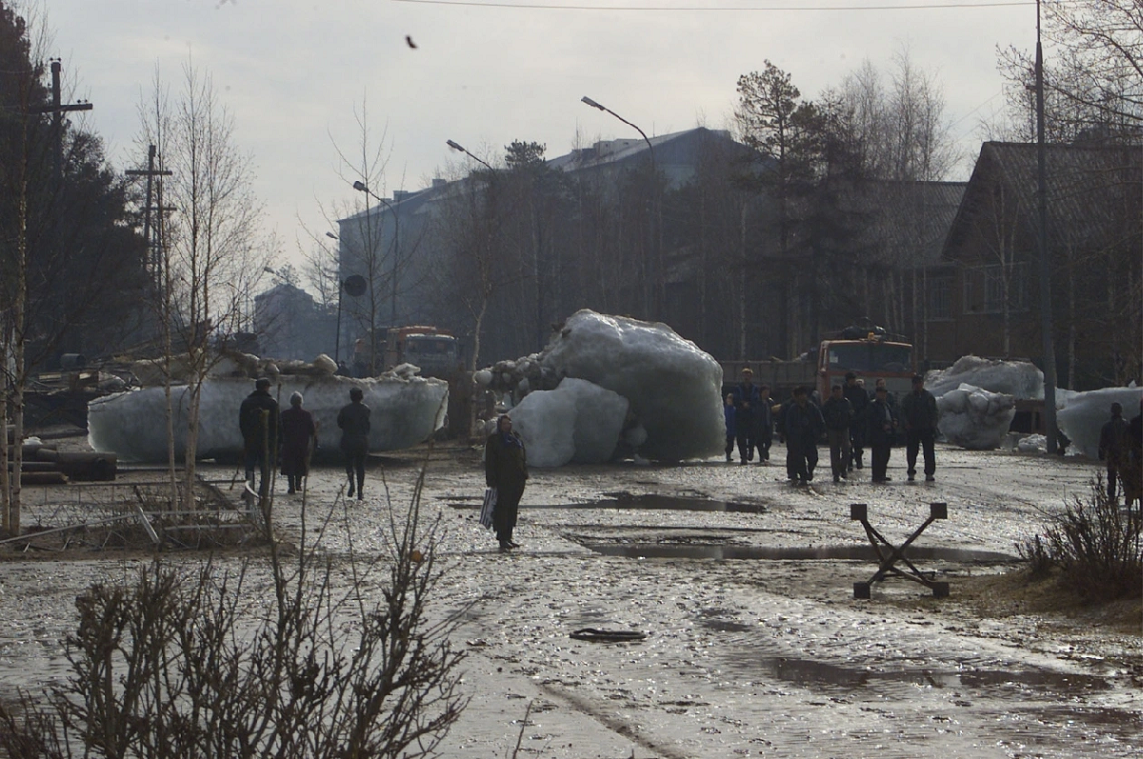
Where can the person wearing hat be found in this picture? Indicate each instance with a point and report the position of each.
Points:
(258, 421)
(920, 416)
(298, 429)
(1113, 446)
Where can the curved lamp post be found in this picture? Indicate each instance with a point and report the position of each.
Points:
(457, 146)
(605, 109)
(362, 187)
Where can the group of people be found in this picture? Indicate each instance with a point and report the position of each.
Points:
(849, 420)
(291, 437)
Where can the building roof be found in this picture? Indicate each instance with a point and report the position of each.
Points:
(1089, 189)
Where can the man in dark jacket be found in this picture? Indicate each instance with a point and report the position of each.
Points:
(859, 401)
(746, 400)
(803, 426)
(919, 413)
(258, 421)
(882, 427)
(838, 415)
(764, 424)
(353, 420)
(506, 469)
(1114, 443)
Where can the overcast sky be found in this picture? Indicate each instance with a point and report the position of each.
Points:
(293, 73)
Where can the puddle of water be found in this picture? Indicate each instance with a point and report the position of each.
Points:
(993, 684)
(849, 552)
(647, 502)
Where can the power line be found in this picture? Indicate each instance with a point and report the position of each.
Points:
(722, 9)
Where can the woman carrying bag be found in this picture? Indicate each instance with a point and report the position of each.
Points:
(505, 470)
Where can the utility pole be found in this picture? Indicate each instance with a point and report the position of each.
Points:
(1042, 252)
(152, 240)
(57, 109)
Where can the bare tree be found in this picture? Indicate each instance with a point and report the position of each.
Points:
(213, 249)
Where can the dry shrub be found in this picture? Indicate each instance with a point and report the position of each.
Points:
(269, 660)
(1095, 544)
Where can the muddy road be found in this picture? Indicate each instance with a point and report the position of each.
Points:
(743, 586)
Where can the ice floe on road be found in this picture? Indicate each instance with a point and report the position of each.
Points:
(673, 389)
(406, 410)
(974, 418)
(1020, 379)
(1082, 415)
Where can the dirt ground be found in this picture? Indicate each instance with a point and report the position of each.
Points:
(755, 646)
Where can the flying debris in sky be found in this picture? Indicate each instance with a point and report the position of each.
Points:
(409, 42)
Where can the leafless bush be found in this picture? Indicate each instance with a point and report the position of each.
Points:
(1096, 544)
(269, 660)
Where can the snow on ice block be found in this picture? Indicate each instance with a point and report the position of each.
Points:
(673, 386)
(974, 418)
(1083, 415)
(132, 424)
(1020, 379)
(578, 421)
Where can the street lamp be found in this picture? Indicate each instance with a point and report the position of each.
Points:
(605, 109)
(462, 149)
(362, 187)
(340, 286)
(660, 275)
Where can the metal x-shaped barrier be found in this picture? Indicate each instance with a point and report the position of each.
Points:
(888, 555)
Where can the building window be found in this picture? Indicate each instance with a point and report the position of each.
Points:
(987, 287)
(940, 297)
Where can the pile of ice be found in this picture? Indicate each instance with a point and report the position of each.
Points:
(1081, 416)
(153, 371)
(577, 422)
(672, 389)
(974, 418)
(405, 411)
(1019, 379)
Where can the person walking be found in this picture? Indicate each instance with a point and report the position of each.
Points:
(920, 415)
(506, 470)
(764, 424)
(353, 421)
(838, 415)
(298, 431)
(746, 400)
(804, 425)
(882, 426)
(1114, 444)
(258, 421)
(859, 401)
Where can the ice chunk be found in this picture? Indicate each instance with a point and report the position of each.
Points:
(1019, 379)
(974, 418)
(132, 424)
(1084, 414)
(674, 387)
(578, 421)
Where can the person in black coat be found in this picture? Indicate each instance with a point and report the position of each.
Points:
(859, 401)
(920, 415)
(506, 469)
(746, 400)
(258, 422)
(1113, 447)
(353, 420)
(838, 415)
(882, 427)
(298, 432)
(803, 426)
(764, 424)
